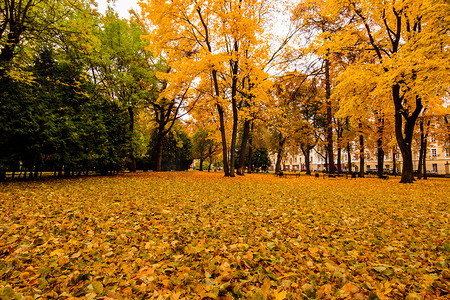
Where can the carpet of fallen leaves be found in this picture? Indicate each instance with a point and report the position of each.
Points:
(195, 235)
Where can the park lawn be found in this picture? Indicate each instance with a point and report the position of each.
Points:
(197, 235)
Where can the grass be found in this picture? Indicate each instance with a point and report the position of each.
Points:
(197, 235)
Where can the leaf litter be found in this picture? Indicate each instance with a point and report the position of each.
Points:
(197, 235)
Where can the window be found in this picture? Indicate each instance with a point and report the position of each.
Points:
(368, 167)
(397, 155)
(368, 156)
(386, 156)
(433, 153)
(433, 139)
(447, 153)
(295, 159)
(434, 166)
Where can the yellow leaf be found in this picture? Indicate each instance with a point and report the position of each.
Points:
(280, 295)
(57, 252)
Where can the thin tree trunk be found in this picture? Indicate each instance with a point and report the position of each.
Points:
(380, 157)
(339, 168)
(279, 155)
(243, 150)
(349, 158)
(131, 128)
(380, 151)
(250, 151)
(234, 81)
(361, 156)
(330, 154)
(394, 160)
(307, 153)
(159, 150)
(424, 157)
(421, 150)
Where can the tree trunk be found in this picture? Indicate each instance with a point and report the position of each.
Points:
(159, 150)
(380, 151)
(361, 156)
(349, 157)
(394, 160)
(380, 157)
(279, 155)
(201, 164)
(234, 81)
(424, 157)
(243, 150)
(307, 152)
(404, 136)
(330, 154)
(339, 168)
(278, 163)
(131, 128)
(421, 150)
(222, 130)
(250, 151)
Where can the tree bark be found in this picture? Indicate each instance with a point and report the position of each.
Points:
(339, 168)
(131, 128)
(424, 157)
(349, 158)
(361, 156)
(307, 153)
(380, 157)
(159, 149)
(234, 64)
(380, 151)
(279, 154)
(243, 150)
(394, 160)
(421, 150)
(331, 168)
(404, 136)
(250, 151)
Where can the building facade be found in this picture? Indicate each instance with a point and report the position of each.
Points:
(437, 162)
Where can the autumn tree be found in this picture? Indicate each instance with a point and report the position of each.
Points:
(296, 115)
(408, 46)
(318, 22)
(204, 145)
(215, 43)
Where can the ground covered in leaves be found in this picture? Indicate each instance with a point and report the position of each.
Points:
(197, 235)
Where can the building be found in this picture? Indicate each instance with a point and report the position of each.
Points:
(438, 161)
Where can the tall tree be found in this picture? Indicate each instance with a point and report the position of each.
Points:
(209, 41)
(123, 69)
(409, 46)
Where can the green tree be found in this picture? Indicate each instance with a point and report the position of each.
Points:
(261, 160)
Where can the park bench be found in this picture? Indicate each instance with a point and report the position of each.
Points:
(351, 175)
(285, 175)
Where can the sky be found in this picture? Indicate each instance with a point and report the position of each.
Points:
(120, 6)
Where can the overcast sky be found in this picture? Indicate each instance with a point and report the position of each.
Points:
(120, 6)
